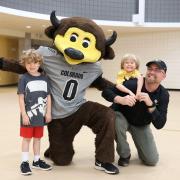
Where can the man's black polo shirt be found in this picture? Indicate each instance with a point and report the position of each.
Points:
(138, 115)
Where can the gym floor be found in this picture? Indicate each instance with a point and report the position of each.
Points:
(82, 167)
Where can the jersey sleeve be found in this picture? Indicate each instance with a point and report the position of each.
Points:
(48, 86)
(46, 52)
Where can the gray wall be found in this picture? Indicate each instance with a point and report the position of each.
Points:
(119, 10)
(162, 11)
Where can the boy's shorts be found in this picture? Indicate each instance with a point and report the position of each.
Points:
(29, 132)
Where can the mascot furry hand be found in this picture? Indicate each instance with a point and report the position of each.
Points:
(72, 66)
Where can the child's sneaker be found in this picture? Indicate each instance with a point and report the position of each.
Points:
(40, 164)
(25, 169)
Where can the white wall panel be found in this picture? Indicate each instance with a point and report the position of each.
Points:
(148, 46)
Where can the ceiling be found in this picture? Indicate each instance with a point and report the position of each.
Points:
(16, 26)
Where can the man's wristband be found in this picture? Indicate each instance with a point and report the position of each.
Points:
(153, 105)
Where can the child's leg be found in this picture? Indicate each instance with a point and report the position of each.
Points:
(24, 167)
(25, 149)
(36, 148)
(38, 163)
(37, 134)
(26, 133)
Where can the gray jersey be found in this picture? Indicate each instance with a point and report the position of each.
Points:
(68, 82)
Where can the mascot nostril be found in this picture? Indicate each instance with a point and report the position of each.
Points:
(74, 54)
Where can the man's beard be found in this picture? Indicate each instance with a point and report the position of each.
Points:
(151, 80)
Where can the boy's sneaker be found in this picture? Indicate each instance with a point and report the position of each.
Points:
(40, 164)
(107, 167)
(25, 169)
(124, 161)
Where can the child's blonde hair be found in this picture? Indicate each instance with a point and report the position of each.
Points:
(30, 56)
(132, 57)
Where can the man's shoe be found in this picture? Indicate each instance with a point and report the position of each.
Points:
(124, 161)
(25, 169)
(107, 167)
(40, 164)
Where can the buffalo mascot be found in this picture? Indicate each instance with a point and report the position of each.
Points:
(72, 66)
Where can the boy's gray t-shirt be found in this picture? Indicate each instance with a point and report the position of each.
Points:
(68, 82)
(35, 90)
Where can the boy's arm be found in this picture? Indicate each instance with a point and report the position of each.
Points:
(22, 110)
(48, 117)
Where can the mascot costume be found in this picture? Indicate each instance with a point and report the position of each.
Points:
(72, 66)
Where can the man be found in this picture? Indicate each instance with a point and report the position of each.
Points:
(135, 115)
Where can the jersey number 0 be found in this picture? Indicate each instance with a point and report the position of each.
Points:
(70, 90)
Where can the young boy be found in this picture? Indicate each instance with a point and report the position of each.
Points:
(35, 109)
(129, 69)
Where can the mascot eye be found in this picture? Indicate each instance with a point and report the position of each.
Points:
(86, 43)
(73, 37)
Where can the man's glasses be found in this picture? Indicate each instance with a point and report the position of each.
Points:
(156, 70)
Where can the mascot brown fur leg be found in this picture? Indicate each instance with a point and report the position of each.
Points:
(62, 132)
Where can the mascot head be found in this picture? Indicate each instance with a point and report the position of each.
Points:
(80, 39)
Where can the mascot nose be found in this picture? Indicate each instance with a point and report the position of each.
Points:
(74, 53)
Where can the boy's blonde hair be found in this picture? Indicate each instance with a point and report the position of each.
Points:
(30, 56)
(132, 57)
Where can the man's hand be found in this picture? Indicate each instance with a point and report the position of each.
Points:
(131, 94)
(145, 97)
(126, 100)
